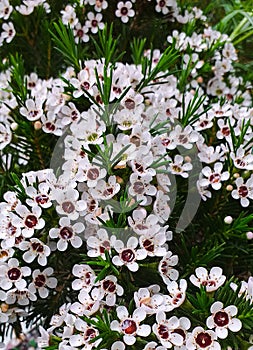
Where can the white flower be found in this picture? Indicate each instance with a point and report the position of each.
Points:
(214, 177)
(39, 197)
(244, 191)
(130, 325)
(202, 339)
(42, 280)
(166, 269)
(105, 189)
(212, 280)
(83, 82)
(165, 330)
(11, 273)
(128, 255)
(5, 9)
(124, 11)
(223, 319)
(178, 168)
(86, 334)
(141, 188)
(97, 245)
(177, 294)
(149, 299)
(80, 33)
(21, 296)
(94, 22)
(68, 203)
(143, 224)
(8, 33)
(109, 289)
(183, 137)
(242, 160)
(67, 233)
(89, 303)
(33, 110)
(89, 173)
(5, 135)
(86, 278)
(163, 6)
(36, 248)
(69, 16)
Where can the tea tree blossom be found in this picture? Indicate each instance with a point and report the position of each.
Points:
(130, 326)
(94, 22)
(165, 268)
(86, 278)
(244, 191)
(8, 33)
(223, 319)
(201, 339)
(164, 329)
(214, 177)
(35, 249)
(68, 203)
(12, 275)
(124, 11)
(32, 110)
(212, 280)
(42, 280)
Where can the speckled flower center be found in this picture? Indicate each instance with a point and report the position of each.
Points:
(221, 318)
(14, 274)
(162, 3)
(31, 221)
(104, 246)
(66, 232)
(127, 255)
(129, 103)
(124, 11)
(214, 178)
(243, 191)
(37, 247)
(109, 286)
(163, 331)
(40, 281)
(203, 340)
(68, 207)
(129, 326)
(148, 245)
(42, 199)
(89, 334)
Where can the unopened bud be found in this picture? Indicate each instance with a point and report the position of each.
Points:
(200, 80)
(229, 188)
(228, 220)
(14, 126)
(37, 125)
(236, 175)
(249, 235)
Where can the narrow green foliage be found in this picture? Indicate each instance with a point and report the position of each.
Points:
(18, 80)
(137, 47)
(238, 140)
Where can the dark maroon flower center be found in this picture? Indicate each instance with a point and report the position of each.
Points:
(183, 138)
(163, 331)
(162, 3)
(68, 207)
(127, 255)
(87, 278)
(79, 33)
(37, 247)
(94, 23)
(90, 334)
(31, 221)
(50, 126)
(225, 131)
(243, 191)
(129, 326)
(124, 11)
(92, 205)
(85, 85)
(108, 192)
(139, 167)
(138, 187)
(129, 103)
(92, 174)
(149, 245)
(214, 178)
(164, 267)
(166, 142)
(42, 199)
(221, 318)
(66, 232)
(33, 114)
(209, 283)
(14, 274)
(104, 246)
(203, 340)
(180, 332)
(109, 286)
(40, 281)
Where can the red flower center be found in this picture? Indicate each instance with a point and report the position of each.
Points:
(14, 274)
(68, 207)
(221, 318)
(31, 221)
(203, 340)
(92, 174)
(124, 11)
(66, 233)
(148, 245)
(37, 247)
(109, 286)
(40, 281)
(243, 191)
(127, 255)
(42, 199)
(163, 331)
(129, 326)
(214, 178)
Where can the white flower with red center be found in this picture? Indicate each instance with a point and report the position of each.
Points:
(183, 137)
(88, 303)
(166, 269)
(105, 189)
(242, 160)
(28, 220)
(89, 173)
(124, 11)
(80, 33)
(164, 330)
(244, 191)
(224, 131)
(39, 197)
(141, 188)
(70, 114)
(176, 296)
(94, 22)
(35, 249)
(214, 176)
(97, 245)
(143, 224)
(163, 6)
(140, 164)
(58, 319)
(149, 299)
(32, 110)
(184, 325)
(153, 346)
(202, 339)
(86, 335)
(5, 133)
(86, 278)
(5, 9)
(11, 273)
(51, 124)
(20, 296)
(8, 32)
(126, 119)
(109, 288)
(83, 82)
(161, 206)
(99, 4)
(129, 254)
(130, 325)
(69, 16)
(5, 254)
(223, 319)
(68, 203)
(154, 245)
(42, 280)
(67, 233)
(178, 167)
(132, 100)
(212, 280)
